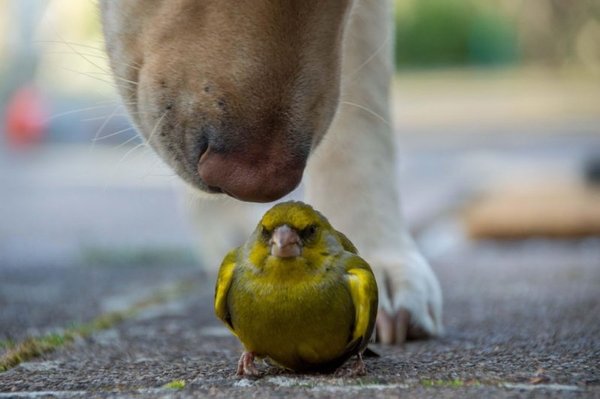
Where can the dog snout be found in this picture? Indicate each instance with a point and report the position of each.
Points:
(257, 175)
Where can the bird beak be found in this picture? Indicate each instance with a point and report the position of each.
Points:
(285, 242)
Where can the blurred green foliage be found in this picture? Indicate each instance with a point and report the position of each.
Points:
(441, 33)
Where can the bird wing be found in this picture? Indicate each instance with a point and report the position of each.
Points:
(222, 288)
(346, 243)
(363, 290)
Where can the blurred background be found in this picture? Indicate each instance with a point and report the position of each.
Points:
(496, 108)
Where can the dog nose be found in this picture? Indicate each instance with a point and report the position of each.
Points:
(250, 177)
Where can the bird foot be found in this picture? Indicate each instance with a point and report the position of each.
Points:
(246, 365)
(358, 369)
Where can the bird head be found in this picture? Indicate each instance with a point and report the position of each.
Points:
(292, 229)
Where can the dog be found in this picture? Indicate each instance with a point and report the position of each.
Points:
(245, 98)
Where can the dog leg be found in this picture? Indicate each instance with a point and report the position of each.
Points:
(351, 178)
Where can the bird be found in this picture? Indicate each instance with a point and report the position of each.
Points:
(297, 293)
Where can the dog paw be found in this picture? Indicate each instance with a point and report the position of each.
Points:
(410, 299)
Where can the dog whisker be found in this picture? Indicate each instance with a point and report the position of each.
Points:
(370, 111)
(158, 161)
(155, 129)
(144, 142)
(65, 52)
(99, 118)
(370, 58)
(111, 83)
(111, 75)
(129, 140)
(132, 149)
(83, 56)
(75, 111)
(69, 43)
(103, 125)
(114, 134)
(90, 75)
(99, 56)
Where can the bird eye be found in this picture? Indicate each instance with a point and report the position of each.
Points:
(265, 233)
(308, 232)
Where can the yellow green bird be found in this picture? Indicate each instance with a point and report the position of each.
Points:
(297, 293)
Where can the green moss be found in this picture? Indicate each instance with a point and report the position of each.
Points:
(36, 346)
(7, 344)
(30, 348)
(175, 384)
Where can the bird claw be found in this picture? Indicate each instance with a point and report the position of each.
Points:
(246, 365)
(358, 369)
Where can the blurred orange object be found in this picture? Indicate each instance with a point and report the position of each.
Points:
(543, 209)
(26, 117)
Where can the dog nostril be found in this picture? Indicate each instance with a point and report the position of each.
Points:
(201, 147)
